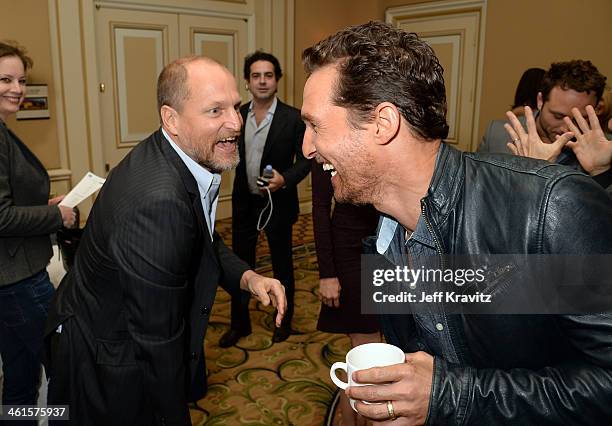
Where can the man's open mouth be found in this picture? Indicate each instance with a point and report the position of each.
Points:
(232, 139)
(329, 168)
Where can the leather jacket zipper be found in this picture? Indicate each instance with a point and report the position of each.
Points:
(432, 233)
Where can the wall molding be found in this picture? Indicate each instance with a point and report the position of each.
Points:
(434, 7)
(59, 174)
(208, 8)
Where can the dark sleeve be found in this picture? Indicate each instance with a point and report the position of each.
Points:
(322, 195)
(604, 179)
(577, 221)
(232, 266)
(21, 221)
(300, 168)
(153, 248)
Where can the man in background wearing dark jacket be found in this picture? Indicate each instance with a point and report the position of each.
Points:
(272, 135)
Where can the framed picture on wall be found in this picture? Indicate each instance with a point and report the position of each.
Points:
(35, 105)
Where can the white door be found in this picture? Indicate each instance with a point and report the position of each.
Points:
(133, 47)
(224, 40)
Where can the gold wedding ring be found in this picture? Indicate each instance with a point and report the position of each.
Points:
(515, 140)
(391, 411)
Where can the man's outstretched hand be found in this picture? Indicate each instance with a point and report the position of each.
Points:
(593, 150)
(529, 144)
(266, 290)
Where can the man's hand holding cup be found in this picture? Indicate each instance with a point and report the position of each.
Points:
(386, 384)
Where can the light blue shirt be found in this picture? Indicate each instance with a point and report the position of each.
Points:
(399, 248)
(393, 244)
(205, 180)
(254, 142)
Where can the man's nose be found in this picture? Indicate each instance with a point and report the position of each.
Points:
(308, 148)
(235, 120)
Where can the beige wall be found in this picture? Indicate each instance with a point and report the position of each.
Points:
(27, 23)
(317, 19)
(523, 33)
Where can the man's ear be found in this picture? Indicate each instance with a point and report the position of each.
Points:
(387, 121)
(169, 118)
(540, 100)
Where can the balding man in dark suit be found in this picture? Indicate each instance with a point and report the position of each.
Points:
(127, 326)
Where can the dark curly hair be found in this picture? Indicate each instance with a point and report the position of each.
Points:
(578, 75)
(379, 63)
(260, 55)
(11, 48)
(528, 88)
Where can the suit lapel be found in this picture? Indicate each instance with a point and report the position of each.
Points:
(192, 189)
(276, 128)
(244, 111)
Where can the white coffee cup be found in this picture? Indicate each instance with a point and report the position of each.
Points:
(363, 357)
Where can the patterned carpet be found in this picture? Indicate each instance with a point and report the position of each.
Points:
(260, 383)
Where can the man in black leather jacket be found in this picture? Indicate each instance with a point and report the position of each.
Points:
(374, 107)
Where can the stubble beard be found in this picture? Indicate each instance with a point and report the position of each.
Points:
(204, 155)
(263, 98)
(543, 132)
(215, 165)
(360, 185)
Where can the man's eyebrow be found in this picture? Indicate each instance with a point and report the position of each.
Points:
(552, 111)
(308, 118)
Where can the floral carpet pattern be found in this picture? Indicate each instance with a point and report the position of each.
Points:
(257, 382)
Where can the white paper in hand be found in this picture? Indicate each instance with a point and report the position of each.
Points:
(87, 186)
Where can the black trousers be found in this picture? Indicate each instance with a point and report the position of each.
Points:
(244, 243)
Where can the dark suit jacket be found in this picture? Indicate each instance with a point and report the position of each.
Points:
(283, 150)
(135, 306)
(26, 220)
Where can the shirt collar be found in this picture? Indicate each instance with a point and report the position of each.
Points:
(388, 227)
(271, 110)
(203, 177)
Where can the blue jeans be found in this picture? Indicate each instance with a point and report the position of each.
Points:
(23, 312)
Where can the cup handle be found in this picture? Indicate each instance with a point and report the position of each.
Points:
(335, 379)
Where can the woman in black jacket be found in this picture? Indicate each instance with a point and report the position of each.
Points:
(27, 218)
